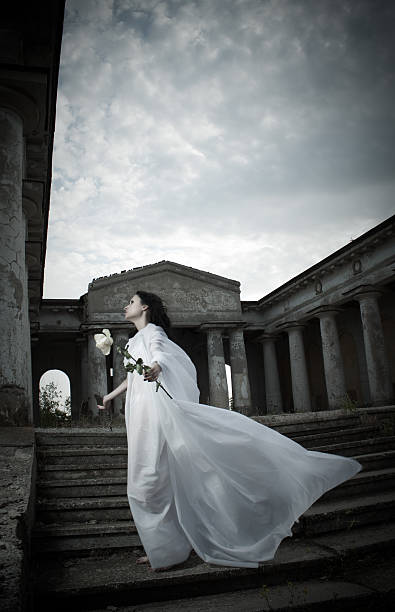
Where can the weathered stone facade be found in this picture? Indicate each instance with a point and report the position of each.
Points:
(205, 310)
(323, 339)
(30, 36)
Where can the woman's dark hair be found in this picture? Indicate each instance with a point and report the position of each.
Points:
(157, 309)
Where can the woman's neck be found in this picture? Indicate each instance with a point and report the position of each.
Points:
(141, 322)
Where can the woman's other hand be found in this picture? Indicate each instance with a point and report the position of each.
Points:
(106, 403)
(153, 372)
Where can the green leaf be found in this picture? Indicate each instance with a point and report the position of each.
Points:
(139, 368)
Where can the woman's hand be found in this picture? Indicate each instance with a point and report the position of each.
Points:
(106, 403)
(153, 372)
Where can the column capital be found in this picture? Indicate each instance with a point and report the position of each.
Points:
(325, 311)
(207, 327)
(235, 330)
(291, 325)
(267, 337)
(92, 328)
(222, 325)
(365, 291)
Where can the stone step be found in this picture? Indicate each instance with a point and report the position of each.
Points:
(336, 514)
(363, 482)
(377, 461)
(85, 487)
(83, 439)
(83, 510)
(74, 471)
(323, 516)
(85, 456)
(327, 419)
(333, 434)
(358, 447)
(308, 423)
(363, 589)
(312, 427)
(56, 439)
(115, 455)
(54, 530)
(84, 546)
(90, 583)
(337, 436)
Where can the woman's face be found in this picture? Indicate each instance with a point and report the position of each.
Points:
(134, 309)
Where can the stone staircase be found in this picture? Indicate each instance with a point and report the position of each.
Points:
(341, 555)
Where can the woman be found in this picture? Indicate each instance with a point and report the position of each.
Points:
(205, 478)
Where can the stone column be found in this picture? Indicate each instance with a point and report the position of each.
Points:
(380, 384)
(333, 361)
(120, 337)
(15, 390)
(238, 362)
(216, 369)
(97, 374)
(83, 352)
(299, 376)
(274, 403)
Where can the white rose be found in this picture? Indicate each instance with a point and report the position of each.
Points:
(104, 341)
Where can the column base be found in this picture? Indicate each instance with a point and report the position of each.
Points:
(246, 410)
(383, 402)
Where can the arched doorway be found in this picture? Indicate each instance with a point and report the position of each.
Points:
(54, 398)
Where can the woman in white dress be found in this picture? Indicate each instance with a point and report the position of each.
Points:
(205, 478)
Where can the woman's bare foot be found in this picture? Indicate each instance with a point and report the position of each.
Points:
(141, 560)
(162, 569)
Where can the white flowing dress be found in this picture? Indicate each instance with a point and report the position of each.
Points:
(209, 479)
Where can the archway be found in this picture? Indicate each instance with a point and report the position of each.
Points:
(54, 398)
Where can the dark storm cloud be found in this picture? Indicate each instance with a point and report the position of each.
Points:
(271, 122)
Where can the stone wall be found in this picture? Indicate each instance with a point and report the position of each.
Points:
(17, 483)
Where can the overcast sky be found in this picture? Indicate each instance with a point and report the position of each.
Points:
(248, 138)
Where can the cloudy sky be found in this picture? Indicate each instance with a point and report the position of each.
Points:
(248, 138)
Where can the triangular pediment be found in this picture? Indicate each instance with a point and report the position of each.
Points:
(192, 296)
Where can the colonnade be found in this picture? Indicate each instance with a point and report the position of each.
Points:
(380, 385)
(95, 372)
(241, 392)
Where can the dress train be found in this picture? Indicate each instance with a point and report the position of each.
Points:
(209, 479)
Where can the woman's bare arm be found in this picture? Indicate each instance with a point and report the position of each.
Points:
(110, 396)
